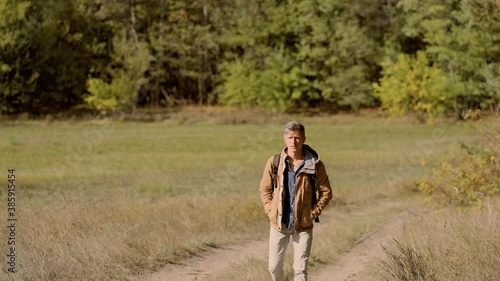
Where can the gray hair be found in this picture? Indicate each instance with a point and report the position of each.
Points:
(294, 126)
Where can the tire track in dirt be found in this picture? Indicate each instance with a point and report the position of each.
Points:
(351, 266)
(211, 262)
(347, 267)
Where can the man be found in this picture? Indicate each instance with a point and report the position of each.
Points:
(289, 205)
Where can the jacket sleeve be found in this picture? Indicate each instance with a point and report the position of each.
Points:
(324, 189)
(266, 186)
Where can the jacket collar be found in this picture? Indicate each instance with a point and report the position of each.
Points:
(311, 157)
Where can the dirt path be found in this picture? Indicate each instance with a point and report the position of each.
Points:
(212, 262)
(347, 267)
(350, 266)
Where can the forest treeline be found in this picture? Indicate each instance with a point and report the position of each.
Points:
(427, 56)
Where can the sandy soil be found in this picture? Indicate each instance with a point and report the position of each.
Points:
(212, 262)
(347, 267)
(350, 266)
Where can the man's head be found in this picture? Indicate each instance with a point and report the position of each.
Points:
(294, 136)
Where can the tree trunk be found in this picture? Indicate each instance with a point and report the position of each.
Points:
(202, 64)
(135, 40)
(133, 33)
(159, 60)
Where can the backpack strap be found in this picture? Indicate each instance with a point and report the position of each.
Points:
(312, 180)
(276, 162)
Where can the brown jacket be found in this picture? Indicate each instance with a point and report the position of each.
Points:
(304, 212)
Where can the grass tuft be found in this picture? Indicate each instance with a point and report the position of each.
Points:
(404, 263)
(444, 245)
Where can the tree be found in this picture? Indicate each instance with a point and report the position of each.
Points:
(131, 60)
(411, 85)
(49, 48)
(317, 52)
(17, 80)
(184, 43)
(462, 38)
(121, 92)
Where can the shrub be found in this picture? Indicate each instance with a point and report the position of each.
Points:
(122, 91)
(241, 83)
(469, 174)
(410, 84)
(108, 97)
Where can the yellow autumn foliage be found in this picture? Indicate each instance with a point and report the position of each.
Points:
(469, 174)
(411, 84)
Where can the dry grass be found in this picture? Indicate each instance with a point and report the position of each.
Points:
(345, 231)
(470, 173)
(145, 194)
(454, 243)
(446, 245)
(113, 240)
(339, 231)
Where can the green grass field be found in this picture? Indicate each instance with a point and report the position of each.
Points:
(99, 200)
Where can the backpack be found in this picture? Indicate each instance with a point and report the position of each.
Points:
(312, 179)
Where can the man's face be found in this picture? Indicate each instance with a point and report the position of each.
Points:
(294, 141)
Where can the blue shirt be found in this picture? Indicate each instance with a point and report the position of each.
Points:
(289, 181)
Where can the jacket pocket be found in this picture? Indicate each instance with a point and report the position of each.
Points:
(273, 213)
(307, 218)
(273, 216)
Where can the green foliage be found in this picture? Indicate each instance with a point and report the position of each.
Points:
(469, 174)
(410, 84)
(122, 91)
(185, 42)
(109, 97)
(461, 37)
(303, 53)
(346, 71)
(241, 84)
(15, 83)
(271, 88)
(298, 54)
(491, 85)
(46, 51)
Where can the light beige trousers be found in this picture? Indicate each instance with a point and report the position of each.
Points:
(278, 243)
